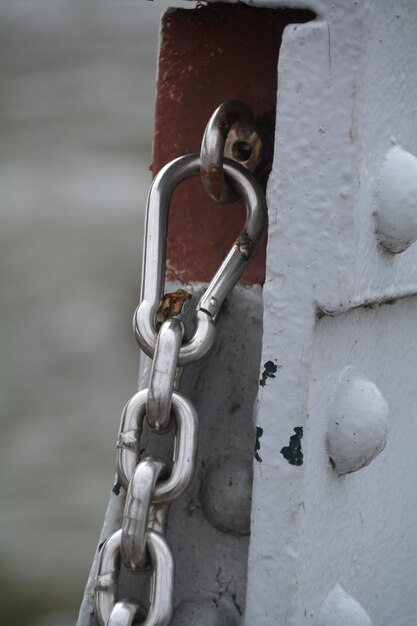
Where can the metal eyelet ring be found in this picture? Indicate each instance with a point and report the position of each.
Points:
(128, 444)
(232, 117)
(136, 513)
(153, 268)
(162, 586)
(125, 613)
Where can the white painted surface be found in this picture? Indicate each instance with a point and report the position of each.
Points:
(347, 90)
(360, 529)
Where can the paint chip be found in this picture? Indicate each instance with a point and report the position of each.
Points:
(116, 488)
(293, 452)
(259, 433)
(269, 372)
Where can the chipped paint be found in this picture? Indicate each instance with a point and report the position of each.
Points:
(293, 452)
(270, 369)
(116, 488)
(259, 433)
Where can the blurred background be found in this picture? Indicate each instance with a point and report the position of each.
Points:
(76, 118)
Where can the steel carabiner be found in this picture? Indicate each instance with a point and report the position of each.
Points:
(154, 254)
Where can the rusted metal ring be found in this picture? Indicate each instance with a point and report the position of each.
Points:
(231, 132)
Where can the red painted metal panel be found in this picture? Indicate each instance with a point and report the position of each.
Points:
(209, 55)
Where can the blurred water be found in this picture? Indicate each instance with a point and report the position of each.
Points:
(76, 116)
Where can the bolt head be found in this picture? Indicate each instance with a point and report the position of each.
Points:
(396, 212)
(358, 424)
(226, 495)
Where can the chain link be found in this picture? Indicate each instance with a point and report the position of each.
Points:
(162, 378)
(125, 613)
(165, 331)
(136, 513)
(162, 583)
(185, 450)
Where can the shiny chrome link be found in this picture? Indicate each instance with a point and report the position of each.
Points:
(186, 424)
(125, 613)
(136, 513)
(185, 452)
(153, 269)
(128, 442)
(162, 378)
(162, 584)
(245, 147)
(108, 568)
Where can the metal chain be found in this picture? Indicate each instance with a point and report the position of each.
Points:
(165, 332)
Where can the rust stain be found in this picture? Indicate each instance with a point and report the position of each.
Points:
(171, 305)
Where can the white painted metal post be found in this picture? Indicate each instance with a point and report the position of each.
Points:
(339, 326)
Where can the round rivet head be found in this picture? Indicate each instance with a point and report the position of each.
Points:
(207, 612)
(358, 423)
(340, 608)
(226, 495)
(396, 212)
